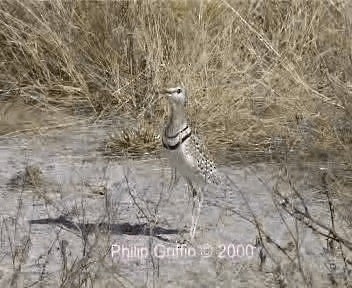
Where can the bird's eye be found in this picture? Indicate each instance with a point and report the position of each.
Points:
(178, 91)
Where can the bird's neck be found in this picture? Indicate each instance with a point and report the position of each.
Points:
(177, 120)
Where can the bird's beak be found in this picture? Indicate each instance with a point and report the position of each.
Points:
(166, 92)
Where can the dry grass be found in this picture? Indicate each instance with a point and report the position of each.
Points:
(31, 176)
(141, 140)
(262, 76)
(265, 79)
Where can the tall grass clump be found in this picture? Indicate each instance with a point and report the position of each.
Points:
(263, 76)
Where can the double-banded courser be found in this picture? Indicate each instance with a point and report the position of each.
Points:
(186, 153)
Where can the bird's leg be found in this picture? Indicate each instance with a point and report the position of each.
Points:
(173, 180)
(195, 218)
(200, 202)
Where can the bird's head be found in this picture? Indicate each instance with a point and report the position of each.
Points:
(176, 96)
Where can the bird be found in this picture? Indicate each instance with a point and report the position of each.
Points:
(186, 153)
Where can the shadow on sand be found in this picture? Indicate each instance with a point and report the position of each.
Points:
(123, 228)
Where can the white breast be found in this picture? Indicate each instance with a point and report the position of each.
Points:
(188, 164)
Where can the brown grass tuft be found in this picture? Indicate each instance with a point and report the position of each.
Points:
(134, 142)
(258, 73)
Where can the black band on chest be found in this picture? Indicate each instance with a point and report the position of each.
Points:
(184, 138)
(178, 133)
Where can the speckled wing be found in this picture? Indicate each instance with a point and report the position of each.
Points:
(202, 165)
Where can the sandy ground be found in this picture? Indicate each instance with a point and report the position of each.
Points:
(112, 221)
